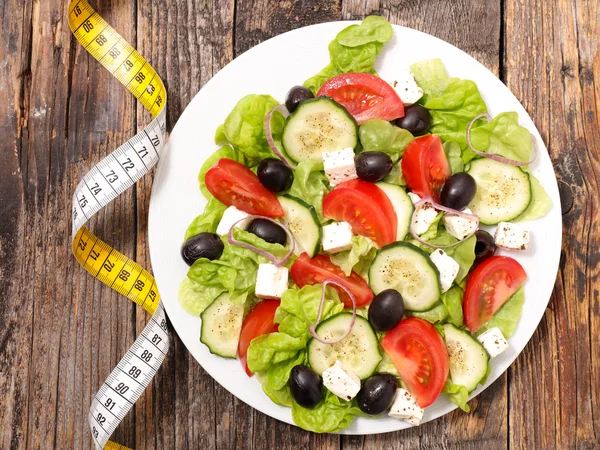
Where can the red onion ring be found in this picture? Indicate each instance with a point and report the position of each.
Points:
(283, 110)
(456, 212)
(312, 328)
(266, 254)
(502, 159)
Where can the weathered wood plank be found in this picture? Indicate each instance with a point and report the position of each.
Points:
(554, 395)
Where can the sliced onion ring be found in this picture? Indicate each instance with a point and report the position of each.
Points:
(312, 328)
(456, 212)
(502, 159)
(283, 110)
(266, 254)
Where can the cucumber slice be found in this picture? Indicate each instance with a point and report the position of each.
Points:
(409, 270)
(468, 359)
(302, 221)
(359, 351)
(402, 205)
(318, 125)
(503, 191)
(221, 326)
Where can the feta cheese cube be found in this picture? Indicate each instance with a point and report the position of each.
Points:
(458, 226)
(405, 408)
(339, 166)
(337, 237)
(422, 218)
(271, 281)
(511, 236)
(493, 341)
(447, 266)
(414, 198)
(407, 88)
(341, 381)
(230, 216)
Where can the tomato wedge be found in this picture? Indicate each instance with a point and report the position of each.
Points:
(234, 184)
(306, 270)
(425, 167)
(365, 96)
(489, 286)
(259, 321)
(421, 358)
(365, 207)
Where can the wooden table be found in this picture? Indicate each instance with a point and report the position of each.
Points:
(61, 332)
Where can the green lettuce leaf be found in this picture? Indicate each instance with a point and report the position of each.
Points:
(224, 152)
(454, 155)
(330, 415)
(279, 374)
(507, 317)
(371, 29)
(540, 202)
(457, 394)
(502, 136)
(382, 136)
(194, 298)
(437, 314)
(386, 365)
(311, 184)
(358, 258)
(281, 396)
(208, 221)
(220, 138)
(452, 300)
(396, 176)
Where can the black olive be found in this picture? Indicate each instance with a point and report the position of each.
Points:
(268, 231)
(275, 175)
(203, 245)
(416, 119)
(484, 246)
(373, 166)
(306, 386)
(386, 310)
(295, 96)
(458, 191)
(377, 393)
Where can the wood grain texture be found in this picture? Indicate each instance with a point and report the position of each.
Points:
(61, 332)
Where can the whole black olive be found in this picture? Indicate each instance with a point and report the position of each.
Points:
(458, 191)
(484, 246)
(305, 386)
(295, 96)
(373, 166)
(377, 393)
(386, 310)
(275, 175)
(268, 231)
(203, 245)
(416, 119)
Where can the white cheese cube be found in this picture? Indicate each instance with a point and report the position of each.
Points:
(339, 166)
(493, 341)
(447, 266)
(407, 88)
(511, 236)
(230, 216)
(405, 408)
(341, 381)
(458, 226)
(414, 198)
(271, 281)
(337, 237)
(422, 218)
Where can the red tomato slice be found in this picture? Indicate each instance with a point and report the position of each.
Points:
(234, 184)
(258, 322)
(365, 96)
(425, 166)
(315, 270)
(421, 358)
(365, 207)
(489, 286)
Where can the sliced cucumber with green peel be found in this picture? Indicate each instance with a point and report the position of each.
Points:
(302, 221)
(503, 191)
(409, 270)
(359, 351)
(403, 207)
(318, 125)
(221, 326)
(468, 359)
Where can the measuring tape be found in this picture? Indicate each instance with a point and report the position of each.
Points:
(106, 181)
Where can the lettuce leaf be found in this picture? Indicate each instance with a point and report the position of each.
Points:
(281, 396)
(208, 220)
(194, 298)
(371, 29)
(437, 314)
(540, 202)
(502, 136)
(396, 176)
(224, 152)
(457, 394)
(382, 136)
(452, 300)
(330, 415)
(454, 155)
(507, 317)
(311, 184)
(358, 258)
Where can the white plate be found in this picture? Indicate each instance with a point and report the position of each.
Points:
(272, 68)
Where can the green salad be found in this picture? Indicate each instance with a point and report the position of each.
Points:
(357, 248)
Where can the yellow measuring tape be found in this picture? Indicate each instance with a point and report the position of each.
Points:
(102, 184)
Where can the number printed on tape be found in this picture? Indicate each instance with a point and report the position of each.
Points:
(101, 185)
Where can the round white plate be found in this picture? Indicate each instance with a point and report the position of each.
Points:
(272, 68)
